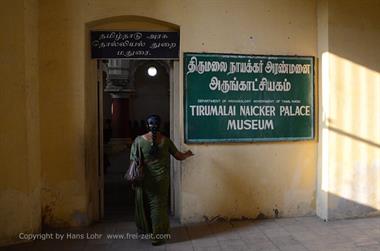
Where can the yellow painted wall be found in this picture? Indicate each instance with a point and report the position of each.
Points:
(19, 127)
(229, 180)
(350, 118)
(64, 198)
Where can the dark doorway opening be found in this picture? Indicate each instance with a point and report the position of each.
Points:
(131, 91)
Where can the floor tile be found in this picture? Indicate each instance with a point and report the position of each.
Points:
(294, 234)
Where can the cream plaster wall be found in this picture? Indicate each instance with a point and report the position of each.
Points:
(323, 78)
(350, 118)
(229, 180)
(20, 172)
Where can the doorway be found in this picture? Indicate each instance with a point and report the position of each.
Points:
(129, 91)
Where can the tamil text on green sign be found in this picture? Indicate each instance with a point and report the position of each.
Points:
(239, 98)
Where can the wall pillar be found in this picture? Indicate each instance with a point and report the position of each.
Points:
(20, 167)
(323, 101)
(349, 82)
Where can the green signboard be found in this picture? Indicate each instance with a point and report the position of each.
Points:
(244, 98)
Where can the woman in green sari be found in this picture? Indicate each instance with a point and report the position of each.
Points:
(151, 196)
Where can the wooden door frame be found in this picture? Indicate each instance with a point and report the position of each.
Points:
(93, 130)
(175, 171)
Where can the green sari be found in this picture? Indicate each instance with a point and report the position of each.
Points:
(151, 197)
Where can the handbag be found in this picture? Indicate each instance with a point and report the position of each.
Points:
(135, 172)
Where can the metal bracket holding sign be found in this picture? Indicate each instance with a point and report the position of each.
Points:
(246, 98)
(134, 45)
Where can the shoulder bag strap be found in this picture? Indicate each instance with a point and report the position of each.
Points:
(139, 154)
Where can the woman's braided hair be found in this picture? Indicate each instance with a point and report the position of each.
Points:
(153, 124)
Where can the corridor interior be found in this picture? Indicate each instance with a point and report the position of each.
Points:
(132, 90)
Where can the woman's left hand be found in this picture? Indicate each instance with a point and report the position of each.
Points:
(183, 155)
(189, 153)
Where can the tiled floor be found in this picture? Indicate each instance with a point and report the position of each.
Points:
(293, 234)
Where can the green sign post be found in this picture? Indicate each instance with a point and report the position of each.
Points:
(243, 98)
